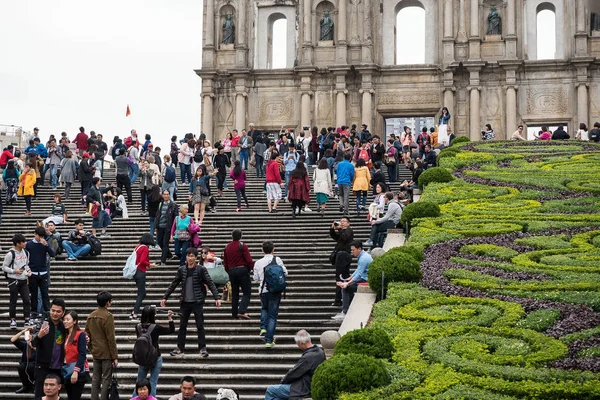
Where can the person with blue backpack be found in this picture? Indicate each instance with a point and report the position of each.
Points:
(169, 176)
(271, 274)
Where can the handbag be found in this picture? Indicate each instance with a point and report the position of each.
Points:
(183, 234)
(95, 210)
(332, 257)
(67, 370)
(218, 273)
(413, 145)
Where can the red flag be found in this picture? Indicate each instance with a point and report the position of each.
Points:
(128, 111)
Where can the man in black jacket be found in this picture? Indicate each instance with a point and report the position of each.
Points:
(341, 232)
(123, 174)
(193, 277)
(165, 215)
(85, 174)
(560, 134)
(49, 343)
(296, 383)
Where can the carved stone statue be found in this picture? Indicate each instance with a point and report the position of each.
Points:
(326, 27)
(494, 22)
(228, 31)
(595, 22)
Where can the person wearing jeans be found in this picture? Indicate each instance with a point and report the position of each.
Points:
(238, 262)
(178, 231)
(39, 250)
(296, 383)
(269, 301)
(76, 245)
(345, 177)
(390, 220)
(16, 268)
(192, 299)
(350, 286)
(148, 318)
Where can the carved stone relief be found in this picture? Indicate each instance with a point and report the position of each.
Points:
(421, 99)
(275, 108)
(546, 101)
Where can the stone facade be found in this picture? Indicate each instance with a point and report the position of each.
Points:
(353, 78)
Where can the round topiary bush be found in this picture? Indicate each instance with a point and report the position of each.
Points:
(410, 250)
(420, 209)
(395, 267)
(459, 139)
(435, 174)
(372, 342)
(351, 373)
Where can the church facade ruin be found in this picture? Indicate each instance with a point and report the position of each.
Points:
(481, 60)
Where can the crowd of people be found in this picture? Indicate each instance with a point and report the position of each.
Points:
(54, 349)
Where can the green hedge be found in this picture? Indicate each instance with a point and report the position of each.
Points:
(369, 342)
(460, 139)
(540, 320)
(435, 174)
(395, 267)
(420, 209)
(349, 373)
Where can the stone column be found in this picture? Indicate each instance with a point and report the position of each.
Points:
(474, 119)
(305, 110)
(367, 107)
(207, 116)
(208, 54)
(448, 40)
(511, 110)
(474, 39)
(242, 45)
(582, 104)
(581, 36)
(367, 47)
(307, 36)
(462, 29)
(340, 108)
(511, 36)
(240, 111)
(340, 47)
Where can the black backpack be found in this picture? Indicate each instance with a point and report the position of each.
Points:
(95, 244)
(198, 156)
(144, 353)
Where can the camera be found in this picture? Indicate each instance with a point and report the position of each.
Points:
(336, 223)
(306, 128)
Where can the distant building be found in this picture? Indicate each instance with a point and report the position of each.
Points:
(11, 134)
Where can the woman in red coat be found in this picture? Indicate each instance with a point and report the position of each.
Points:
(299, 188)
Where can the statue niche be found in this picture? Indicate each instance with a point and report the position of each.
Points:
(494, 22)
(228, 31)
(326, 27)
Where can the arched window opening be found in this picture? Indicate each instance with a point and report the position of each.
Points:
(410, 35)
(277, 57)
(546, 32)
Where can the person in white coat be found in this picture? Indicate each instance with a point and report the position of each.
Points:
(323, 186)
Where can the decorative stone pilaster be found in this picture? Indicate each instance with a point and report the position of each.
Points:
(581, 36)
(510, 39)
(448, 40)
(241, 47)
(474, 69)
(341, 48)
(474, 37)
(208, 51)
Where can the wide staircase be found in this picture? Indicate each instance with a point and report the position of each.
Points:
(238, 358)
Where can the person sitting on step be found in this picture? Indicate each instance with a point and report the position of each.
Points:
(77, 244)
(389, 221)
(350, 286)
(296, 383)
(188, 390)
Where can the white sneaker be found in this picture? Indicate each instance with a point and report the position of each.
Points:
(368, 243)
(13, 324)
(339, 316)
(155, 248)
(306, 209)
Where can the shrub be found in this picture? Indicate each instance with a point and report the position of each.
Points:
(412, 251)
(350, 373)
(448, 152)
(435, 174)
(489, 250)
(540, 320)
(420, 209)
(369, 342)
(546, 242)
(460, 139)
(396, 267)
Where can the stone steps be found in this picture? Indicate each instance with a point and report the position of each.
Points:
(238, 358)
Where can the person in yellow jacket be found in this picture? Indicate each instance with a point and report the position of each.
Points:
(27, 181)
(361, 184)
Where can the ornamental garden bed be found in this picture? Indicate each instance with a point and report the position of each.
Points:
(508, 306)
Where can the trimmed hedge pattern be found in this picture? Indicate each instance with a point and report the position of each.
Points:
(508, 306)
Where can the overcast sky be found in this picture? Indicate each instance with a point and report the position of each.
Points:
(67, 63)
